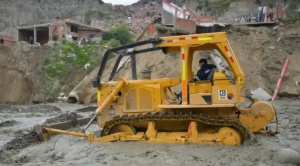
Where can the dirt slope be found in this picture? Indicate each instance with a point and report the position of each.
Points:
(262, 57)
(21, 75)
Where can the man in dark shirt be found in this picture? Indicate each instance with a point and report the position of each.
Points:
(204, 71)
(202, 74)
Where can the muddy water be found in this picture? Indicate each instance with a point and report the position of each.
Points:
(68, 150)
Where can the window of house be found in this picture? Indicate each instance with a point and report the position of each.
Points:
(74, 28)
(92, 35)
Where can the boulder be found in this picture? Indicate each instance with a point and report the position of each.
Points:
(286, 156)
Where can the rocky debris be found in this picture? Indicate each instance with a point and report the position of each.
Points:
(14, 146)
(167, 31)
(22, 141)
(87, 109)
(31, 109)
(58, 156)
(62, 98)
(21, 160)
(287, 156)
(252, 140)
(9, 109)
(43, 109)
(272, 47)
(8, 123)
(27, 138)
(259, 93)
(63, 117)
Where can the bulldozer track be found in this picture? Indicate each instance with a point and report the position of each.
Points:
(220, 122)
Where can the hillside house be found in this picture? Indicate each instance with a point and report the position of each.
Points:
(56, 30)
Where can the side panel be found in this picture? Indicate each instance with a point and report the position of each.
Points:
(201, 87)
(200, 99)
(224, 94)
(141, 99)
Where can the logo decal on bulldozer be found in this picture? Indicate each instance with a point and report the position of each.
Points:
(222, 94)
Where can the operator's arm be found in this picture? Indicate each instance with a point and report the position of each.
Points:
(203, 73)
(210, 66)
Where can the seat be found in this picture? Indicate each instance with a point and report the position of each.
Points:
(211, 75)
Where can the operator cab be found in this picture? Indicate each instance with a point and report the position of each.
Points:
(213, 90)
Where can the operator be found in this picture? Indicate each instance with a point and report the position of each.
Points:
(202, 74)
(204, 70)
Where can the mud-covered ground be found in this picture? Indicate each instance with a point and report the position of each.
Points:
(20, 146)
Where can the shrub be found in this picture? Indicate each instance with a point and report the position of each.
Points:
(120, 33)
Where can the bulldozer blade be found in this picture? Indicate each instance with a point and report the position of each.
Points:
(45, 135)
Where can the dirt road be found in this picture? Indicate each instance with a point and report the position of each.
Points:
(18, 146)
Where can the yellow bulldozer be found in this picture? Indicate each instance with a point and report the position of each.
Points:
(147, 110)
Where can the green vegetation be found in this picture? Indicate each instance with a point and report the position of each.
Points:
(258, 2)
(76, 54)
(58, 69)
(53, 90)
(114, 43)
(150, 14)
(92, 14)
(214, 5)
(67, 56)
(292, 11)
(220, 4)
(206, 3)
(119, 33)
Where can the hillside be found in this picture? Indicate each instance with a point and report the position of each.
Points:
(31, 73)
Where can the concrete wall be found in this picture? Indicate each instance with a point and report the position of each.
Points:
(186, 25)
(56, 32)
(167, 18)
(87, 33)
(82, 32)
(67, 30)
(279, 11)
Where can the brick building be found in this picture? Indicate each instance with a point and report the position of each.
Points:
(56, 30)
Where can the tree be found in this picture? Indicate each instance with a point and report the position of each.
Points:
(100, 2)
(206, 3)
(148, 14)
(107, 35)
(271, 5)
(258, 2)
(120, 33)
(114, 43)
